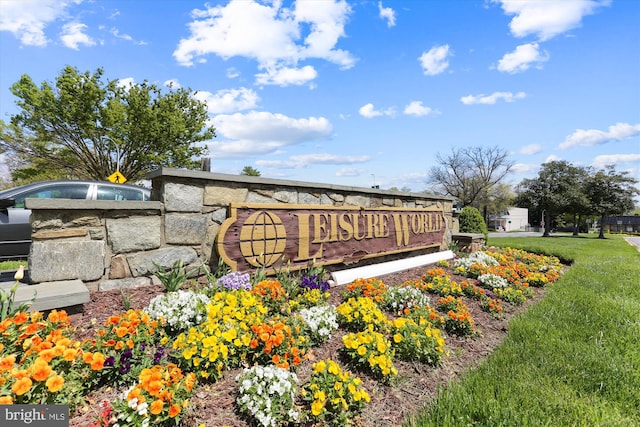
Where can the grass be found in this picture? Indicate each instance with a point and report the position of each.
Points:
(573, 359)
(12, 265)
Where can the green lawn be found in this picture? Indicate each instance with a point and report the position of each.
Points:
(573, 359)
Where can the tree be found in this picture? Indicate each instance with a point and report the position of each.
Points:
(468, 172)
(610, 193)
(88, 128)
(553, 192)
(250, 171)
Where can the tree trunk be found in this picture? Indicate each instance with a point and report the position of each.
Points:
(547, 224)
(576, 224)
(601, 235)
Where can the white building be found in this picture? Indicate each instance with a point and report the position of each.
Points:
(515, 219)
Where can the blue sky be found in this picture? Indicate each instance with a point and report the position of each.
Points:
(361, 92)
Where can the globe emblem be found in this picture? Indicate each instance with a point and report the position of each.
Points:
(262, 239)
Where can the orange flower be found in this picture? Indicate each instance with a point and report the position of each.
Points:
(70, 354)
(40, 370)
(97, 361)
(253, 344)
(119, 345)
(87, 357)
(20, 318)
(174, 410)
(22, 386)
(6, 363)
(156, 407)
(55, 383)
(6, 400)
(121, 331)
(47, 354)
(275, 359)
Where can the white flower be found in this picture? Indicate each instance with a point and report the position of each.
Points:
(181, 309)
(492, 281)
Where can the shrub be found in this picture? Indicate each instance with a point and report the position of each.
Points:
(471, 221)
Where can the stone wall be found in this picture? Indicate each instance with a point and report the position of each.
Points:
(110, 245)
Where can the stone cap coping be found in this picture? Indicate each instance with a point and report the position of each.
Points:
(210, 176)
(105, 205)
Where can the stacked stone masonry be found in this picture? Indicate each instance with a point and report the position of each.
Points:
(113, 245)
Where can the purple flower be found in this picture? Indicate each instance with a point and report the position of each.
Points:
(234, 281)
(314, 281)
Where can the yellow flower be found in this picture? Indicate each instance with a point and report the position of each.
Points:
(316, 407)
(397, 338)
(319, 367)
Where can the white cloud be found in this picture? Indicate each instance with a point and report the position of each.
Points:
(590, 137)
(228, 100)
(257, 133)
(435, 61)
(530, 149)
(388, 14)
(73, 35)
(269, 34)
(615, 159)
(368, 111)
(286, 76)
(27, 19)
(116, 33)
(523, 58)
(172, 83)
(493, 98)
(232, 73)
(523, 168)
(304, 160)
(126, 82)
(350, 172)
(415, 108)
(547, 18)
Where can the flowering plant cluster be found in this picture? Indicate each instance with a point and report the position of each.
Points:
(537, 279)
(314, 281)
(267, 394)
(414, 342)
(158, 398)
(492, 306)
(224, 339)
(180, 310)
(426, 316)
(335, 396)
(397, 299)
(275, 341)
(472, 291)
(436, 281)
(274, 295)
(321, 321)
(492, 281)
(40, 364)
(130, 342)
(234, 281)
(372, 288)
(371, 351)
(458, 320)
(309, 298)
(356, 314)
(511, 295)
(443, 263)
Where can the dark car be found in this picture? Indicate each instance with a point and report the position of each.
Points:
(15, 228)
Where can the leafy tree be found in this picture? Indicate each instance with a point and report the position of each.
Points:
(468, 172)
(496, 200)
(85, 127)
(471, 221)
(557, 187)
(610, 193)
(250, 171)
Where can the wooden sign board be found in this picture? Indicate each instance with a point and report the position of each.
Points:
(274, 235)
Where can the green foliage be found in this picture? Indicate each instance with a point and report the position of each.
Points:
(83, 127)
(174, 278)
(250, 171)
(471, 221)
(7, 298)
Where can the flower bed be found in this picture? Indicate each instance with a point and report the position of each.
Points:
(365, 343)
